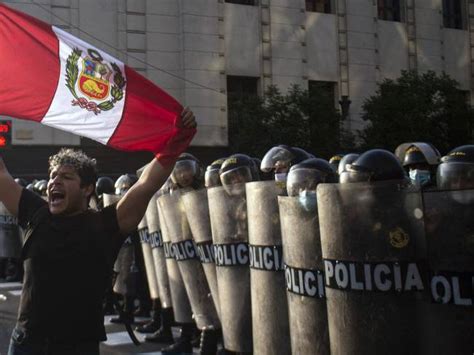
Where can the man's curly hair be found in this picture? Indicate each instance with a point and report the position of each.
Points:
(85, 167)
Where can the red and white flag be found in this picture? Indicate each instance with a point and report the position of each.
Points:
(52, 77)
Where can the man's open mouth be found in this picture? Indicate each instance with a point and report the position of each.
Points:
(56, 197)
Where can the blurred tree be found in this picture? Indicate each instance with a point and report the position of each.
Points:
(417, 107)
(302, 118)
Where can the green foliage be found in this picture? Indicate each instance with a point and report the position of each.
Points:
(298, 118)
(417, 107)
(72, 71)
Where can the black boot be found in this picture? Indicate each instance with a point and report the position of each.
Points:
(127, 313)
(196, 337)
(155, 323)
(183, 343)
(14, 270)
(163, 335)
(208, 344)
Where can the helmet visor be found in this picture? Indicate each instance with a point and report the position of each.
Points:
(234, 180)
(211, 178)
(303, 179)
(277, 158)
(455, 176)
(184, 172)
(353, 174)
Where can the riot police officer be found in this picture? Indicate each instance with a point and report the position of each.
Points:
(456, 171)
(335, 160)
(188, 175)
(279, 160)
(342, 168)
(303, 178)
(420, 160)
(211, 176)
(131, 275)
(188, 172)
(375, 165)
(104, 185)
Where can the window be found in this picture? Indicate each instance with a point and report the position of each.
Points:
(389, 10)
(319, 6)
(241, 2)
(453, 14)
(238, 86)
(326, 90)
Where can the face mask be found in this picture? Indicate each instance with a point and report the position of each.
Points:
(308, 200)
(420, 177)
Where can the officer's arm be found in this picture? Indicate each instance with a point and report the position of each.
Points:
(132, 206)
(10, 191)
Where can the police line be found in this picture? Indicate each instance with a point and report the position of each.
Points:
(446, 287)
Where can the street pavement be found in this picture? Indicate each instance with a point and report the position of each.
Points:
(118, 341)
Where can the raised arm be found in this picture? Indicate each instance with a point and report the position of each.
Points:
(10, 191)
(134, 203)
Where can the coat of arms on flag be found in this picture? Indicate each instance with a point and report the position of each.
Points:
(94, 81)
(76, 87)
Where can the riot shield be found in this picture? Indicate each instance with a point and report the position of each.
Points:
(230, 237)
(123, 263)
(158, 254)
(197, 210)
(372, 239)
(179, 298)
(145, 243)
(195, 282)
(304, 277)
(448, 324)
(10, 237)
(270, 329)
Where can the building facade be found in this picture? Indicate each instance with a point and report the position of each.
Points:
(200, 50)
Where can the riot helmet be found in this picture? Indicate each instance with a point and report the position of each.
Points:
(264, 176)
(280, 159)
(31, 186)
(342, 168)
(187, 172)
(375, 165)
(420, 160)
(335, 160)
(306, 176)
(124, 183)
(211, 177)
(456, 170)
(41, 187)
(22, 182)
(235, 171)
(104, 185)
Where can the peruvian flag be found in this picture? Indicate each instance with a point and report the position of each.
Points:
(52, 77)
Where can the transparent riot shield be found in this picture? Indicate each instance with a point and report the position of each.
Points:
(123, 263)
(448, 324)
(179, 298)
(195, 282)
(372, 239)
(304, 277)
(230, 237)
(145, 243)
(158, 254)
(270, 328)
(10, 236)
(196, 207)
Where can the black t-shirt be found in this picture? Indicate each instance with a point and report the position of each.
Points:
(67, 270)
